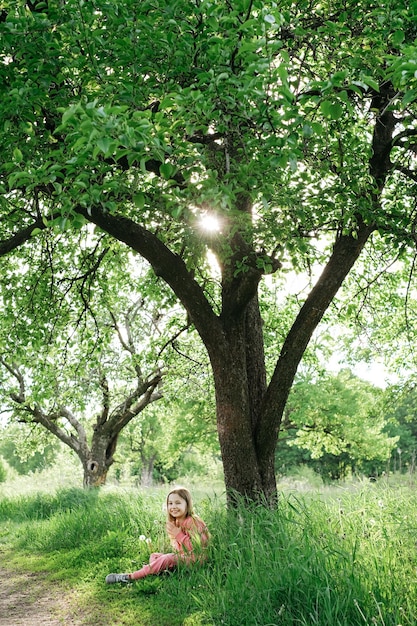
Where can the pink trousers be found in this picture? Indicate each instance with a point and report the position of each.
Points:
(158, 563)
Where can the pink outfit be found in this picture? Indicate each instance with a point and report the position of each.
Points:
(183, 547)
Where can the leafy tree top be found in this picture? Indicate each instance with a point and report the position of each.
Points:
(177, 109)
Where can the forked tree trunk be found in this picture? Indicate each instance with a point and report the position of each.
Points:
(249, 412)
(240, 384)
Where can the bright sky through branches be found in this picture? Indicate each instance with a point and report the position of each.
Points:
(209, 222)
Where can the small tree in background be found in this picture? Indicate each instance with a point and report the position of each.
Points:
(80, 364)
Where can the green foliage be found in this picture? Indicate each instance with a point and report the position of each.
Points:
(64, 357)
(174, 439)
(400, 409)
(97, 328)
(377, 309)
(342, 559)
(340, 422)
(125, 122)
(3, 472)
(27, 451)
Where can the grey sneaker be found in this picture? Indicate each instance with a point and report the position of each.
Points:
(117, 578)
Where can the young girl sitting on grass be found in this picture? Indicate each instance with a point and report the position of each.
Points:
(188, 535)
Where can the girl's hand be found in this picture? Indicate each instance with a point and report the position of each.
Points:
(172, 529)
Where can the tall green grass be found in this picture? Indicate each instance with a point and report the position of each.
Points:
(349, 561)
(336, 561)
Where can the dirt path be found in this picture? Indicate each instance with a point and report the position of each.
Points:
(30, 600)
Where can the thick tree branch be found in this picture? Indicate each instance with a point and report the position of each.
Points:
(146, 393)
(409, 173)
(21, 237)
(165, 264)
(50, 421)
(346, 251)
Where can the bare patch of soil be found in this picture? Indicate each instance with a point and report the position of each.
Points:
(31, 600)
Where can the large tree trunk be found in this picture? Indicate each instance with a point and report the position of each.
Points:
(234, 418)
(95, 474)
(240, 383)
(97, 461)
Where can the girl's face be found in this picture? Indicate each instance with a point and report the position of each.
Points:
(177, 506)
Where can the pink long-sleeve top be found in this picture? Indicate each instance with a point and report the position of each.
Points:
(192, 537)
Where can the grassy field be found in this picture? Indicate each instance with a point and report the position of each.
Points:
(344, 556)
